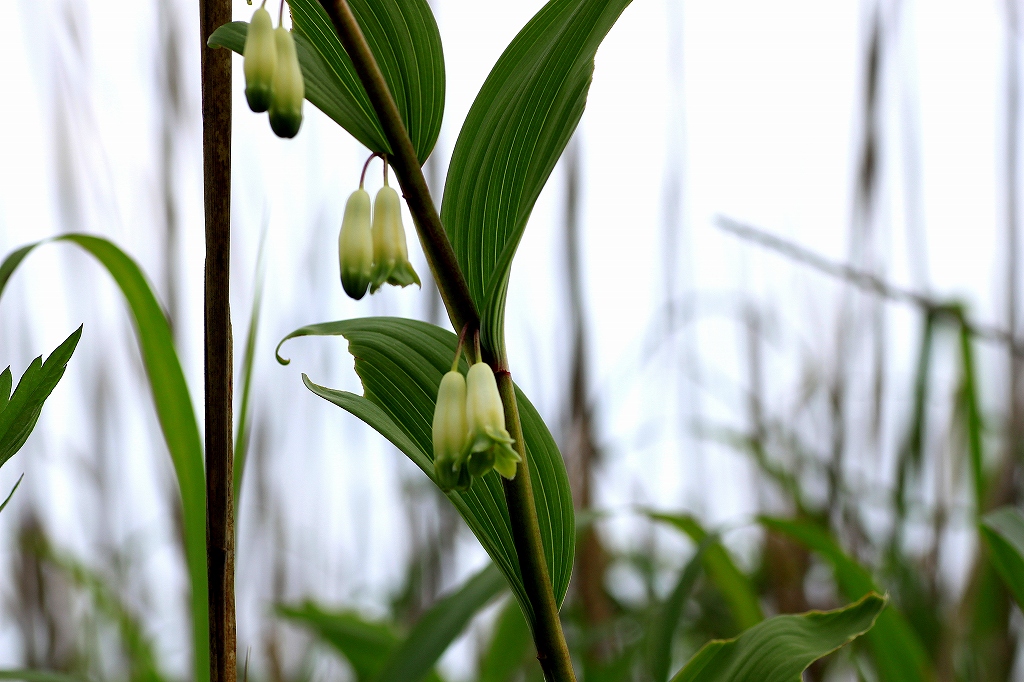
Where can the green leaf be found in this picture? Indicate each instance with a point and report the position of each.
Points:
(897, 651)
(402, 35)
(515, 131)
(663, 627)
(366, 645)
(781, 648)
(730, 581)
(510, 645)
(1003, 530)
(174, 411)
(400, 363)
(22, 411)
(6, 381)
(11, 494)
(38, 675)
(439, 626)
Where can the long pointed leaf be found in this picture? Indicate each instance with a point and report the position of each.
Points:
(11, 494)
(174, 410)
(663, 628)
(510, 645)
(897, 651)
(19, 416)
(366, 645)
(780, 648)
(400, 363)
(514, 133)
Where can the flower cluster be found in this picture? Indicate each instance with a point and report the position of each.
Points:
(373, 252)
(469, 431)
(273, 78)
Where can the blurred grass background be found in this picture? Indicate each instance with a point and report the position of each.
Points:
(857, 377)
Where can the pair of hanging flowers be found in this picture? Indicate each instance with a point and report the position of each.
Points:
(374, 251)
(469, 433)
(273, 78)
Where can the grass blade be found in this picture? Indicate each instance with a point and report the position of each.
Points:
(11, 494)
(663, 628)
(174, 411)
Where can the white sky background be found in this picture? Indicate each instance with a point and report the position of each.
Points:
(766, 121)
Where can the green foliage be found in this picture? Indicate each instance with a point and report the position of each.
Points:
(20, 412)
(780, 649)
(509, 647)
(663, 627)
(400, 363)
(38, 676)
(1003, 530)
(404, 39)
(730, 581)
(174, 411)
(515, 131)
(897, 651)
(439, 627)
(375, 650)
(364, 644)
(11, 494)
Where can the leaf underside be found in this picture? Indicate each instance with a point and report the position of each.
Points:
(400, 363)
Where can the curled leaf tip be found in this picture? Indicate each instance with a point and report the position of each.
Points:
(277, 352)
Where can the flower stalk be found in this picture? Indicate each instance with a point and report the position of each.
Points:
(552, 651)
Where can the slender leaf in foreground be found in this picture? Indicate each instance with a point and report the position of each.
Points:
(173, 408)
(19, 414)
(781, 648)
(400, 363)
(439, 627)
(1003, 530)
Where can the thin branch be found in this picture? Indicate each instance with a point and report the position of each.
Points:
(865, 280)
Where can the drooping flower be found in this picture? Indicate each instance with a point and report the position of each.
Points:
(260, 60)
(390, 251)
(490, 444)
(449, 433)
(355, 245)
(288, 87)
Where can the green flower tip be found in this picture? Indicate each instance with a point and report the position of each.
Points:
(355, 245)
(288, 87)
(390, 250)
(259, 61)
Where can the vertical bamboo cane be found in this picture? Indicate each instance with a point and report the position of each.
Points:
(220, 550)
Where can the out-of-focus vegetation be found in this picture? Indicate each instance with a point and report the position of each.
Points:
(816, 549)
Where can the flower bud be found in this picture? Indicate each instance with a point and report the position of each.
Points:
(355, 245)
(390, 251)
(449, 432)
(288, 87)
(489, 442)
(260, 61)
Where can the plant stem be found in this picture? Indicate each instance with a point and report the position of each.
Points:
(440, 255)
(552, 651)
(220, 535)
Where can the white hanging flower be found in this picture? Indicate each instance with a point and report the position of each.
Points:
(355, 245)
